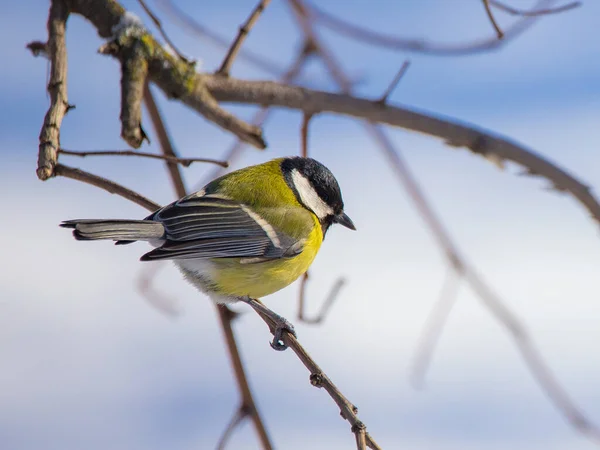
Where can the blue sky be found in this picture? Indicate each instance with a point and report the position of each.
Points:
(87, 363)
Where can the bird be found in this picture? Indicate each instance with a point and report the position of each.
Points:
(243, 236)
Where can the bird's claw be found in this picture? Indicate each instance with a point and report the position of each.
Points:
(282, 325)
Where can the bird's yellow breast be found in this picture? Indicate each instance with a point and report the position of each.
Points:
(257, 280)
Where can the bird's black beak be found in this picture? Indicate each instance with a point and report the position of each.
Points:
(343, 219)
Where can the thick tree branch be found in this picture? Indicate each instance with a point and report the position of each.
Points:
(57, 88)
(454, 133)
(134, 70)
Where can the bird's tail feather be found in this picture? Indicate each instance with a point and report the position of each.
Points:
(122, 231)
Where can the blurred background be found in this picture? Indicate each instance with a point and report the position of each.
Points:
(88, 363)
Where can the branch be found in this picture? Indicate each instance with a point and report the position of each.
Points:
(107, 185)
(134, 70)
(531, 356)
(319, 379)
(57, 88)
(327, 304)
(434, 325)
(488, 11)
(538, 368)
(174, 77)
(395, 81)
(456, 134)
(238, 418)
(163, 138)
(419, 45)
(239, 40)
(534, 12)
(130, 43)
(186, 162)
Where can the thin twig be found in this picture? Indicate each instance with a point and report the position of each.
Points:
(57, 88)
(419, 45)
(496, 306)
(239, 40)
(107, 185)
(256, 59)
(395, 81)
(164, 140)
(304, 134)
(319, 379)
(241, 413)
(534, 12)
(186, 162)
(488, 11)
(433, 327)
(327, 304)
(163, 302)
(161, 30)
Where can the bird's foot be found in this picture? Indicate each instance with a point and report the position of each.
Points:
(281, 324)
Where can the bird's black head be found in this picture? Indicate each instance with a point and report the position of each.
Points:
(316, 189)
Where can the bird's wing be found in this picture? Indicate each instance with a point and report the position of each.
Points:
(216, 227)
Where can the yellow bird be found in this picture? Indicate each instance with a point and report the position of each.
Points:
(244, 235)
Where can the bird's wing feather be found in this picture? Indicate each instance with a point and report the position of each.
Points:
(216, 227)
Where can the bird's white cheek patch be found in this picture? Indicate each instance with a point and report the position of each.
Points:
(309, 196)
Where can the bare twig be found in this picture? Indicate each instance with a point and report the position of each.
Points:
(319, 379)
(161, 29)
(241, 413)
(534, 12)
(304, 134)
(395, 81)
(239, 40)
(163, 302)
(434, 325)
(327, 304)
(107, 185)
(163, 138)
(488, 11)
(186, 162)
(57, 88)
(420, 45)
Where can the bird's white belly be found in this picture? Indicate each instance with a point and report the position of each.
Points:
(199, 273)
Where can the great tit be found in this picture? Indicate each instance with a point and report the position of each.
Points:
(244, 235)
